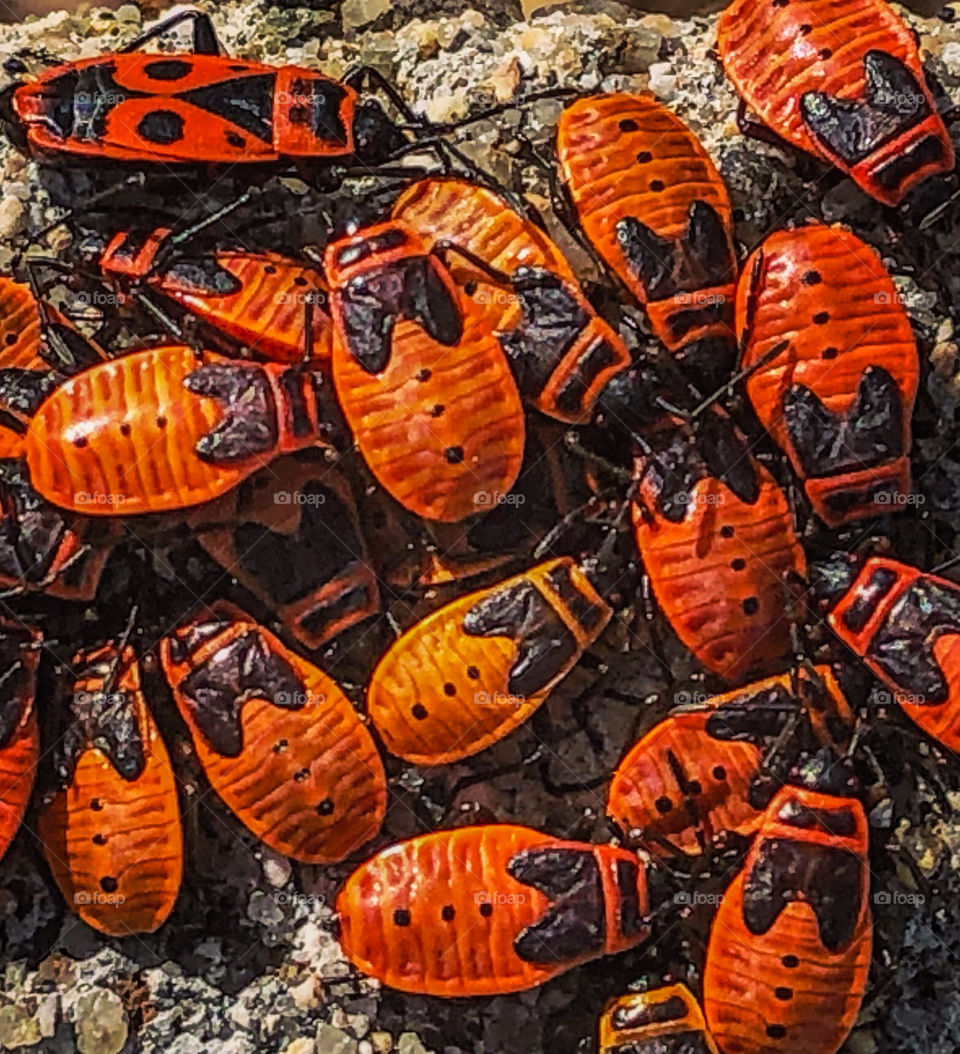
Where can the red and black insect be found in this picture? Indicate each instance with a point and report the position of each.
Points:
(835, 367)
(168, 428)
(290, 534)
(569, 363)
(422, 380)
(490, 909)
(475, 669)
(279, 741)
(664, 1020)
(203, 107)
(842, 80)
(717, 539)
(694, 778)
(264, 303)
(789, 950)
(905, 626)
(111, 831)
(645, 193)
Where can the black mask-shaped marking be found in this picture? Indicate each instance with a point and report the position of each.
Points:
(291, 567)
(551, 321)
(576, 924)
(317, 104)
(869, 434)
(249, 426)
(245, 668)
(545, 646)
(851, 130)
(104, 719)
(903, 646)
(22, 391)
(716, 451)
(700, 259)
(678, 1043)
(831, 881)
(246, 102)
(202, 276)
(18, 683)
(408, 289)
(31, 529)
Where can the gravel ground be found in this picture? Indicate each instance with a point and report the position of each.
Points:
(247, 962)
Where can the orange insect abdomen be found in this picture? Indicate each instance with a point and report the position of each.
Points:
(827, 294)
(277, 738)
(113, 841)
(20, 327)
(562, 376)
(688, 780)
(723, 565)
(129, 436)
(469, 911)
(793, 61)
(477, 668)
(19, 735)
(261, 300)
(771, 984)
(664, 1020)
(653, 205)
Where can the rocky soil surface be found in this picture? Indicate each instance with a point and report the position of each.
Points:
(248, 962)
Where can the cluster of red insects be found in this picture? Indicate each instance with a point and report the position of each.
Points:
(426, 342)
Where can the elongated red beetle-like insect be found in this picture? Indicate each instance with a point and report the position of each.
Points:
(662, 1021)
(164, 429)
(111, 833)
(841, 79)
(422, 381)
(277, 738)
(563, 354)
(905, 626)
(691, 778)
(490, 909)
(789, 950)
(651, 202)
(839, 396)
(262, 302)
(19, 736)
(478, 667)
(717, 539)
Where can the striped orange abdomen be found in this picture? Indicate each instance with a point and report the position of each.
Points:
(789, 950)
(277, 738)
(165, 428)
(839, 396)
(653, 205)
(664, 1020)
(843, 80)
(723, 558)
(111, 833)
(488, 910)
(474, 670)
(19, 735)
(263, 301)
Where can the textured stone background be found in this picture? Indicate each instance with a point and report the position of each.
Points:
(247, 962)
